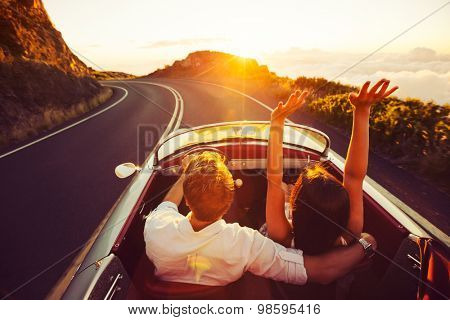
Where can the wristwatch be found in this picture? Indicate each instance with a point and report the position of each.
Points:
(368, 250)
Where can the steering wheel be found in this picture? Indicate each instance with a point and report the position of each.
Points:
(200, 149)
(177, 169)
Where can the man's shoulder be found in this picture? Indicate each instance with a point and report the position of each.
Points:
(165, 210)
(166, 206)
(163, 216)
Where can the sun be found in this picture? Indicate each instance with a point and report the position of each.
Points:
(246, 49)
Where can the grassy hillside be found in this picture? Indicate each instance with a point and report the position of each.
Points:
(42, 82)
(412, 133)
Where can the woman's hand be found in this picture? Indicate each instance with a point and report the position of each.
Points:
(365, 98)
(295, 101)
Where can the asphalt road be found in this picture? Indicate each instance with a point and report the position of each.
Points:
(54, 193)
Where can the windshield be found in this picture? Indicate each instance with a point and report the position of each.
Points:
(296, 135)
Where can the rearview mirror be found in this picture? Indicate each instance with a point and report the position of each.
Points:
(126, 169)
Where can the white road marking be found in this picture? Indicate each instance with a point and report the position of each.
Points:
(68, 127)
(60, 287)
(179, 105)
(179, 109)
(177, 113)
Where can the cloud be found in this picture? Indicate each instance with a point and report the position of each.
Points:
(181, 42)
(421, 73)
(424, 84)
(425, 54)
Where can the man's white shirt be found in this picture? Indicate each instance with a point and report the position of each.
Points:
(216, 255)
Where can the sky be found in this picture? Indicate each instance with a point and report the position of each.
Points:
(311, 38)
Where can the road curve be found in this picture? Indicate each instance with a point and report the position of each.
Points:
(54, 193)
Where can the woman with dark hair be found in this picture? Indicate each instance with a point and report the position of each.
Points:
(322, 208)
(325, 212)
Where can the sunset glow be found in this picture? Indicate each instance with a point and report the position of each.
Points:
(293, 38)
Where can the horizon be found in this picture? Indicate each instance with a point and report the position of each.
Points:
(138, 38)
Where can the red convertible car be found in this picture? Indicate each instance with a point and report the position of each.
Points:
(411, 262)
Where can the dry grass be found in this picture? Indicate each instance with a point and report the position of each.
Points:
(49, 118)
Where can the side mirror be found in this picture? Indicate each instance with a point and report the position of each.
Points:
(126, 169)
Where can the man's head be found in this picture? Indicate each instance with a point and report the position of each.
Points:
(208, 186)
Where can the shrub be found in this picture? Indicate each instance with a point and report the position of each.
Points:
(49, 117)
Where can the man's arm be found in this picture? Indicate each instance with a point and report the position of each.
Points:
(358, 151)
(271, 260)
(278, 226)
(332, 265)
(175, 194)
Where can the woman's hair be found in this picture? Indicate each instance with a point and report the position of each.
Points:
(320, 205)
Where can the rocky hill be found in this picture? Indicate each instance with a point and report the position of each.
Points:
(214, 64)
(223, 68)
(42, 83)
(244, 74)
(110, 75)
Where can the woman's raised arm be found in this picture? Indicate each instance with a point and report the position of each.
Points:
(278, 226)
(358, 150)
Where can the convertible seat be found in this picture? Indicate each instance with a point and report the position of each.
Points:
(150, 287)
(164, 290)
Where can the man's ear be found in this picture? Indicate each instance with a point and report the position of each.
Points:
(187, 203)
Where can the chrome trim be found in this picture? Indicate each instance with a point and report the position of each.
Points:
(243, 164)
(417, 262)
(177, 133)
(114, 288)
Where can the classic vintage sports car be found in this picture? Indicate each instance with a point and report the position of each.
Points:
(411, 263)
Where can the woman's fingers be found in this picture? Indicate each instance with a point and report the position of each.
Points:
(300, 96)
(388, 93)
(352, 96)
(291, 100)
(299, 100)
(373, 91)
(383, 89)
(378, 92)
(294, 101)
(364, 88)
(295, 98)
(303, 95)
